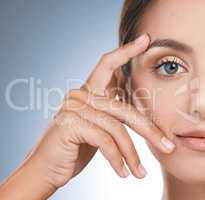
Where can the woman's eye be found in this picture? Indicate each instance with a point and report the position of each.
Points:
(170, 68)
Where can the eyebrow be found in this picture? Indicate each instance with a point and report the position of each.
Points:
(170, 43)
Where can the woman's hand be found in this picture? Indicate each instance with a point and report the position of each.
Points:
(90, 118)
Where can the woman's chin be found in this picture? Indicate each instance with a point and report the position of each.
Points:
(184, 164)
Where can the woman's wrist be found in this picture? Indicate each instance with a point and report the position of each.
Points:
(29, 181)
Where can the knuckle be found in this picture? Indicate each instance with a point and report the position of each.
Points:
(107, 59)
(116, 163)
(71, 103)
(110, 60)
(74, 105)
(131, 153)
(114, 154)
(141, 121)
(102, 118)
(108, 142)
(71, 93)
(124, 50)
(110, 149)
(121, 129)
(67, 119)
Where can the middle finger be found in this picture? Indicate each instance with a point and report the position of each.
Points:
(129, 115)
(116, 129)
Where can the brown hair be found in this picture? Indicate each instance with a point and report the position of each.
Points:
(129, 21)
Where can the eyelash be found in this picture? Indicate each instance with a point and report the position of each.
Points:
(165, 61)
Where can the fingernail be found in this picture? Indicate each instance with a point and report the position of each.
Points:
(141, 39)
(167, 144)
(125, 171)
(142, 170)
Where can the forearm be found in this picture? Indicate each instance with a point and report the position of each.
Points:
(27, 182)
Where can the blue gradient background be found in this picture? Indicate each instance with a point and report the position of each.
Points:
(54, 41)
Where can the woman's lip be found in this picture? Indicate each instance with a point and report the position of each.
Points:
(195, 143)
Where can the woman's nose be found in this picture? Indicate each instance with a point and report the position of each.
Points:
(197, 94)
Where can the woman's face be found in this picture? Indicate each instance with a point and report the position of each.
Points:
(171, 92)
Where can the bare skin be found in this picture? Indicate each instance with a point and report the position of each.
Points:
(87, 121)
(181, 21)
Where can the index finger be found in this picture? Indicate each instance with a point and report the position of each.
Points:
(103, 72)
